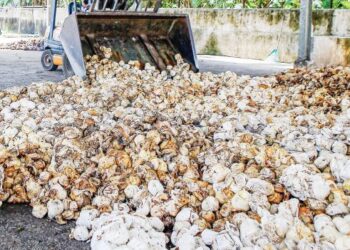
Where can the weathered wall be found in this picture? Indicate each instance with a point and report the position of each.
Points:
(331, 50)
(254, 33)
(26, 20)
(245, 33)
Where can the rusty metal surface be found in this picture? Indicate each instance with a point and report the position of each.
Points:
(147, 37)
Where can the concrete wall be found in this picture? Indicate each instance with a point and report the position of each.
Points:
(245, 33)
(254, 33)
(26, 20)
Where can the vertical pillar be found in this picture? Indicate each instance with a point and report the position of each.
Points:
(48, 15)
(305, 22)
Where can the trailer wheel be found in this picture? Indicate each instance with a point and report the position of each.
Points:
(47, 61)
(67, 68)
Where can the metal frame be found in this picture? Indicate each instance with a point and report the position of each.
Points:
(117, 3)
(168, 31)
(50, 43)
(53, 18)
(159, 36)
(305, 23)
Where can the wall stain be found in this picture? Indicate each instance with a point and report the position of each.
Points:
(27, 27)
(9, 25)
(232, 18)
(211, 46)
(275, 16)
(345, 45)
(322, 17)
(294, 20)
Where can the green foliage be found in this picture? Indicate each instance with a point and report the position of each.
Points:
(237, 4)
(251, 4)
(345, 4)
(7, 2)
(332, 4)
(287, 4)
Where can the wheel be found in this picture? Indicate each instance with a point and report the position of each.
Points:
(47, 61)
(67, 68)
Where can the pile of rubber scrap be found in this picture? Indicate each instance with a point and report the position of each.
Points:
(333, 79)
(24, 44)
(144, 159)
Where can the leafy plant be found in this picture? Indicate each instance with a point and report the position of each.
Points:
(286, 4)
(251, 4)
(6, 3)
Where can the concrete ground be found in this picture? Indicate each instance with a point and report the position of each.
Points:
(20, 68)
(240, 66)
(19, 230)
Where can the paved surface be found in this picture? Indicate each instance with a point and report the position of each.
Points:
(18, 228)
(218, 64)
(19, 68)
